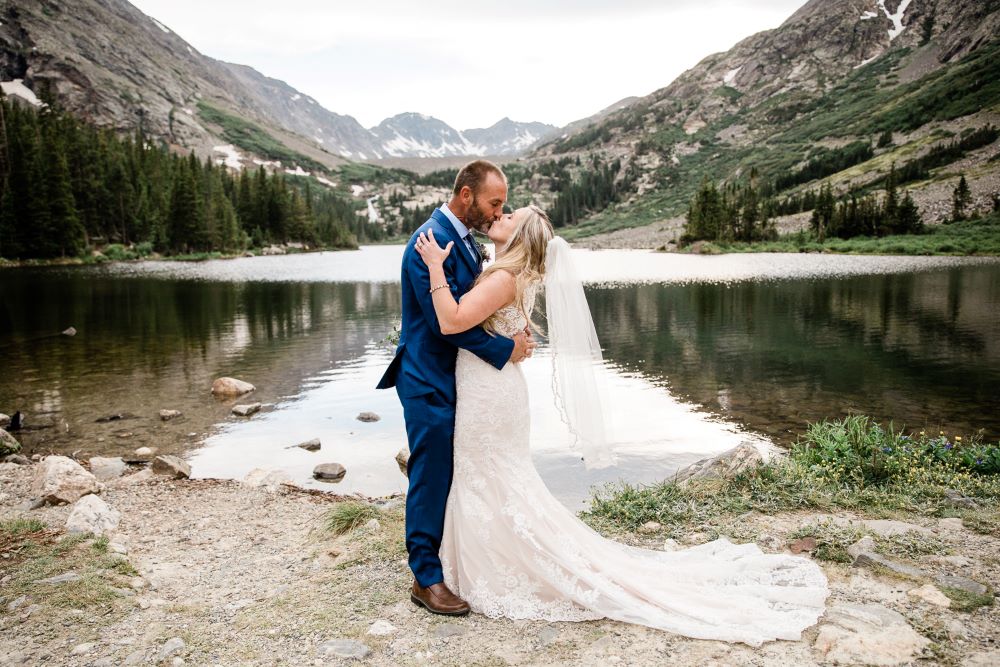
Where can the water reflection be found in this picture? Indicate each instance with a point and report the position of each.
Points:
(918, 348)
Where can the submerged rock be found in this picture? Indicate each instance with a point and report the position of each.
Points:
(329, 472)
(227, 386)
(166, 415)
(246, 409)
(368, 417)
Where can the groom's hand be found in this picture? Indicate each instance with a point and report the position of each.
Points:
(520, 350)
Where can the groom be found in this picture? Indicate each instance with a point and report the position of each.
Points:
(423, 370)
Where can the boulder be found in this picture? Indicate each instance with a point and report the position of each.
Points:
(172, 466)
(402, 459)
(246, 409)
(166, 415)
(329, 472)
(226, 386)
(368, 417)
(868, 634)
(105, 468)
(4, 420)
(8, 443)
(60, 479)
(91, 514)
(727, 464)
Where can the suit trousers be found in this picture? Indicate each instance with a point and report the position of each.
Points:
(430, 429)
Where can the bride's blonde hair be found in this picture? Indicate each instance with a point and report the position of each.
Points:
(524, 257)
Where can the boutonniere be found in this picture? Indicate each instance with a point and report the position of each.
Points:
(483, 251)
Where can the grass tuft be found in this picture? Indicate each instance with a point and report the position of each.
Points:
(348, 515)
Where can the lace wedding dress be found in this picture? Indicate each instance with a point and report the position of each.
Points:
(513, 550)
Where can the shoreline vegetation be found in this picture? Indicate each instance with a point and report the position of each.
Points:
(979, 236)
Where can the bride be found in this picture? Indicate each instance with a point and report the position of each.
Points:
(509, 547)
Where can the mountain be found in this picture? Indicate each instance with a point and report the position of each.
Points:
(418, 135)
(108, 62)
(901, 78)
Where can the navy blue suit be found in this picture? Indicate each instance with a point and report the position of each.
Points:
(423, 373)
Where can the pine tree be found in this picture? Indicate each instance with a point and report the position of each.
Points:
(961, 196)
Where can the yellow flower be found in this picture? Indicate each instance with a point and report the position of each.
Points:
(958, 438)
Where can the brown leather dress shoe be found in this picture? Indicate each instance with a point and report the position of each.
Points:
(438, 599)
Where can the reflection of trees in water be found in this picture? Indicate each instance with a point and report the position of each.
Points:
(145, 344)
(916, 348)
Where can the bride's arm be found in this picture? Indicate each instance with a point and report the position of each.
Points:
(485, 298)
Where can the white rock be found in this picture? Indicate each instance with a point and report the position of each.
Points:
(866, 545)
(929, 593)
(80, 649)
(650, 527)
(4, 420)
(105, 468)
(381, 627)
(373, 525)
(61, 479)
(171, 646)
(268, 479)
(670, 544)
(867, 634)
(226, 386)
(343, 648)
(91, 514)
(145, 451)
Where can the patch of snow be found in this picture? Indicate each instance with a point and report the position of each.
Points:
(191, 51)
(325, 181)
(188, 111)
(865, 62)
(869, 15)
(362, 156)
(318, 139)
(160, 25)
(356, 190)
(311, 101)
(17, 87)
(232, 156)
(372, 211)
(265, 163)
(896, 18)
(298, 171)
(730, 75)
(296, 97)
(346, 153)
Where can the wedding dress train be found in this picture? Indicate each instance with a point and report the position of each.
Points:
(513, 550)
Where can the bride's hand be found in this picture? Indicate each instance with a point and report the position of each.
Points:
(430, 251)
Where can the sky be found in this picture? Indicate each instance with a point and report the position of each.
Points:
(468, 63)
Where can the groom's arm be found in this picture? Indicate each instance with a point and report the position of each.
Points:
(494, 350)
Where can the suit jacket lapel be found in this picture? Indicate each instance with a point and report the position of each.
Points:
(460, 246)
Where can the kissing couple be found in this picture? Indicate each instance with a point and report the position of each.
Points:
(483, 532)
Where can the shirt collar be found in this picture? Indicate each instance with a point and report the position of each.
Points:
(460, 227)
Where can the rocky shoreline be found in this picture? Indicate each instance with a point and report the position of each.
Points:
(223, 572)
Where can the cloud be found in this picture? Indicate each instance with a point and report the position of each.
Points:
(468, 63)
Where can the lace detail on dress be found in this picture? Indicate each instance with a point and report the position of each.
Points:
(512, 550)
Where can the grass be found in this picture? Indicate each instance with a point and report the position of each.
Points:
(969, 237)
(350, 514)
(34, 551)
(851, 464)
(967, 601)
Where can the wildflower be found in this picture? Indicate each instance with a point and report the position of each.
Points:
(923, 433)
(947, 445)
(958, 438)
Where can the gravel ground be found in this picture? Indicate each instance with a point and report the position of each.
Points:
(234, 575)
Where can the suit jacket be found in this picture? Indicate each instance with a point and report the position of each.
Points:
(425, 357)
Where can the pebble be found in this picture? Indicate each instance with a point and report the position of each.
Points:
(80, 649)
(246, 409)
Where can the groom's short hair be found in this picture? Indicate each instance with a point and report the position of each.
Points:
(474, 173)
